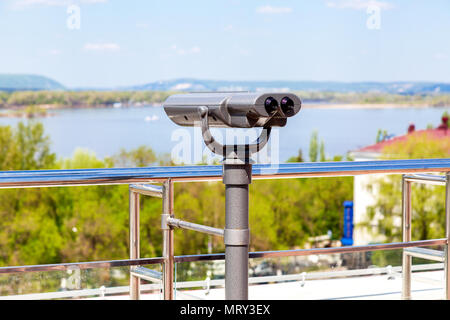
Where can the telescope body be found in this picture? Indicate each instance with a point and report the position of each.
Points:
(233, 109)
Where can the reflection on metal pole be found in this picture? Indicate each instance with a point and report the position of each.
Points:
(447, 236)
(134, 242)
(168, 251)
(406, 219)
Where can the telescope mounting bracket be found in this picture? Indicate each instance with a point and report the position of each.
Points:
(233, 154)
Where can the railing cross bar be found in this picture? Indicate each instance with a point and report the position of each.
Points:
(177, 223)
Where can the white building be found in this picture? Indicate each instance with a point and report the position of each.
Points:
(364, 190)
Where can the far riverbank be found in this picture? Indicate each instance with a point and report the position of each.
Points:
(41, 111)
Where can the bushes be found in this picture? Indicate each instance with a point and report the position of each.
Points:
(67, 224)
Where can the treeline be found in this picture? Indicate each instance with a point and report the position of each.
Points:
(80, 99)
(432, 100)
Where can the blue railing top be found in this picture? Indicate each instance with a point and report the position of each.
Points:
(47, 178)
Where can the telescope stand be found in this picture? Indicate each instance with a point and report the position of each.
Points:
(236, 178)
(237, 175)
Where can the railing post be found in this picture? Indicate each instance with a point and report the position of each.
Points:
(168, 252)
(134, 242)
(447, 236)
(406, 231)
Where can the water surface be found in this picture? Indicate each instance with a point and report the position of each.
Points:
(106, 130)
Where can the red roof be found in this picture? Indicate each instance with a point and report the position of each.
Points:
(439, 133)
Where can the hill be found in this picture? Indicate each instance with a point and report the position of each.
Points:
(187, 84)
(22, 82)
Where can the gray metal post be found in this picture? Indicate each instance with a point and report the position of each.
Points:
(406, 221)
(168, 250)
(447, 236)
(134, 242)
(236, 178)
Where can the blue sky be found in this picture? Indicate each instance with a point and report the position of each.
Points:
(137, 41)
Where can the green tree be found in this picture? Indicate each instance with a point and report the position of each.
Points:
(313, 147)
(298, 158)
(428, 212)
(143, 156)
(322, 151)
(25, 147)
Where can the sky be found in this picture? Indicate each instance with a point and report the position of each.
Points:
(104, 43)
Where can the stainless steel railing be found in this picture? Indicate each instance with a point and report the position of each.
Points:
(208, 284)
(139, 180)
(406, 230)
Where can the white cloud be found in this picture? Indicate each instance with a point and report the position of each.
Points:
(28, 3)
(19, 4)
(101, 47)
(183, 52)
(142, 25)
(194, 50)
(244, 52)
(273, 10)
(440, 56)
(359, 4)
(55, 52)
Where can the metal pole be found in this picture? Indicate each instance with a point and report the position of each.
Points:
(236, 178)
(168, 252)
(134, 242)
(177, 223)
(447, 236)
(406, 219)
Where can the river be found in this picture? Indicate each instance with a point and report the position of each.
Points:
(106, 130)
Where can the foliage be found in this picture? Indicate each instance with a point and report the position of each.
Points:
(430, 99)
(90, 98)
(316, 150)
(25, 147)
(61, 224)
(143, 156)
(284, 213)
(381, 135)
(428, 205)
(298, 158)
(322, 152)
(313, 147)
(80, 98)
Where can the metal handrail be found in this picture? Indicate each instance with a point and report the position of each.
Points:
(220, 256)
(111, 176)
(407, 255)
(316, 275)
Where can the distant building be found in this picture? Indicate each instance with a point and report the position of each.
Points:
(364, 192)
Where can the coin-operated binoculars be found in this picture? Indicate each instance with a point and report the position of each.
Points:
(234, 110)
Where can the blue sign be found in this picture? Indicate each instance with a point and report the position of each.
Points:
(347, 239)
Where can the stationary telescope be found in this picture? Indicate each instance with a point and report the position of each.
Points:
(234, 110)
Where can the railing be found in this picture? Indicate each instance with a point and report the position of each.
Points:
(208, 284)
(139, 180)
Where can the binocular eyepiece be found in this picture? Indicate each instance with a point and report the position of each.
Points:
(287, 106)
(233, 109)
